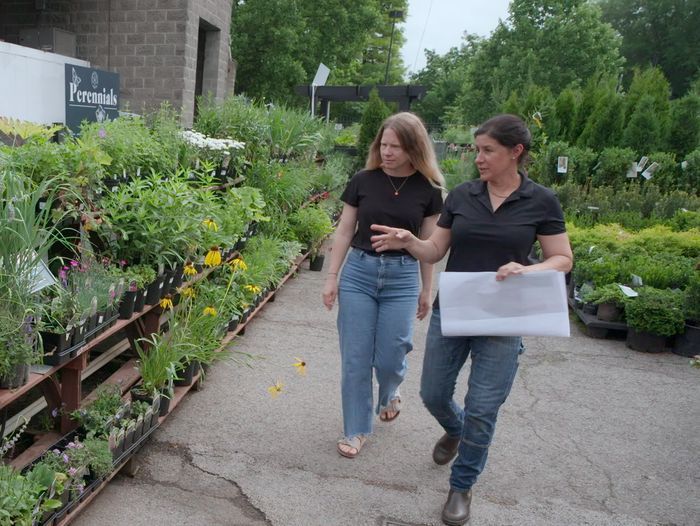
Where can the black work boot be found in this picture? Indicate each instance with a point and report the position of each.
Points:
(456, 510)
(445, 449)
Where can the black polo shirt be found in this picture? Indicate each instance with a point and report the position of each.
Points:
(484, 240)
(373, 192)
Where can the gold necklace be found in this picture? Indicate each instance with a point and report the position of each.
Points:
(396, 190)
(498, 195)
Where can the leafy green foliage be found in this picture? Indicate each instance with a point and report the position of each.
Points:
(656, 311)
(663, 33)
(375, 113)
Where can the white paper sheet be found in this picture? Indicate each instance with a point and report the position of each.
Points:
(531, 304)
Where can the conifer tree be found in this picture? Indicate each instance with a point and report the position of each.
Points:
(372, 118)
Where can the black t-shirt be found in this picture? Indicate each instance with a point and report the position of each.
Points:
(372, 193)
(483, 240)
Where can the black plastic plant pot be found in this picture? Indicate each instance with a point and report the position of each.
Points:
(164, 405)
(316, 263)
(177, 276)
(186, 375)
(140, 302)
(17, 377)
(127, 304)
(56, 342)
(645, 342)
(79, 333)
(232, 324)
(153, 291)
(167, 283)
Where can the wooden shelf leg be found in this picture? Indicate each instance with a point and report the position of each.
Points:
(71, 390)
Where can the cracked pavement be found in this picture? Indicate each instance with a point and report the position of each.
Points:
(593, 434)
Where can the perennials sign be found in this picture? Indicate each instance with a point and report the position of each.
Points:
(91, 95)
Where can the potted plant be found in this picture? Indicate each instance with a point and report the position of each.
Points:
(688, 342)
(26, 498)
(26, 233)
(610, 301)
(103, 413)
(310, 226)
(158, 360)
(653, 316)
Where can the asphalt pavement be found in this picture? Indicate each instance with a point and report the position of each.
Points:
(593, 433)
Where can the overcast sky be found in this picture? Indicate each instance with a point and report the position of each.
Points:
(440, 24)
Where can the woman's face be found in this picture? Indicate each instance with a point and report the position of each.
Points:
(493, 160)
(394, 158)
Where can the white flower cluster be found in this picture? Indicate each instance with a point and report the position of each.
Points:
(210, 143)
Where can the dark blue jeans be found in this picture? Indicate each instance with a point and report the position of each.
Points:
(494, 362)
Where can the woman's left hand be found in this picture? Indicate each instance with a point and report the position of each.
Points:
(423, 304)
(510, 269)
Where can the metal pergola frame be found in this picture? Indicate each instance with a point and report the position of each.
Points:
(403, 94)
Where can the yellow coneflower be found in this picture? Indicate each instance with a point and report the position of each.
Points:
(252, 288)
(188, 292)
(166, 302)
(213, 257)
(211, 225)
(189, 269)
(209, 311)
(275, 389)
(300, 365)
(239, 264)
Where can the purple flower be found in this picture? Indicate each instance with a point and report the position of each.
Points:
(65, 458)
(71, 445)
(56, 452)
(80, 488)
(54, 413)
(102, 133)
(74, 263)
(72, 471)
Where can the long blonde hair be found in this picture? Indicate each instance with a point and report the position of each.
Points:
(414, 140)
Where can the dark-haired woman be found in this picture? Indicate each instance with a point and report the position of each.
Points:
(380, 294)
(488, 224)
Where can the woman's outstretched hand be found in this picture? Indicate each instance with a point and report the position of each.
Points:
(390, 238)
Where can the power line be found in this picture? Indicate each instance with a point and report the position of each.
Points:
(420, 43)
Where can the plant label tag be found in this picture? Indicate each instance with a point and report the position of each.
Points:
(42, 205)
(100, 319)
(590, 249)
(562, 165)
(630, 293)
(632, 171)
(684, 165)
(115, 189)
(637, 281)
(649, 172)
(138, 172)
(642, 163)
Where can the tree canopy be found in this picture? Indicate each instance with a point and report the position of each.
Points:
(279, 44)
(663, 33)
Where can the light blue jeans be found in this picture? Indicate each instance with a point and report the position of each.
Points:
(493, 366)
(377, 301)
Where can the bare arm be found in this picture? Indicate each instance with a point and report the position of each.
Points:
(426, 270)
(557, 254)
(341, 242)
(429, 250)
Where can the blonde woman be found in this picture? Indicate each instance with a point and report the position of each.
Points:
(379, 294)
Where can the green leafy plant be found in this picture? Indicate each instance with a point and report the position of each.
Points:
(656, 311)
(25, 498)
(692, 299)
(610, 293)
(310, 226)
(157, 364)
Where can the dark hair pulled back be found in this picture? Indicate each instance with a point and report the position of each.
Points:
(509, 130)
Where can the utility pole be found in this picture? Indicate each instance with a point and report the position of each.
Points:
(394, 15)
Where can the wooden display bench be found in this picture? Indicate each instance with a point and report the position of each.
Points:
(596, 328)
(68, 394)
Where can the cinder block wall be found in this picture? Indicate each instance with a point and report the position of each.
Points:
(152, 44)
